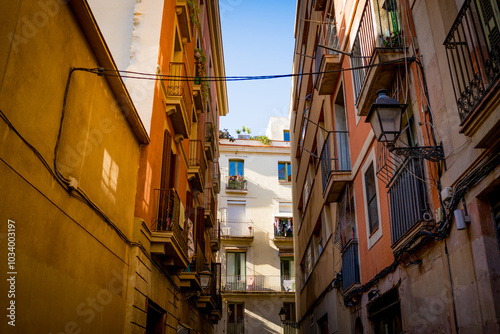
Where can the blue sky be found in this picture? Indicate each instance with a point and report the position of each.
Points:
(258, 40)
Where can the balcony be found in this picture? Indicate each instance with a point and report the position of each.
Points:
(197, 165)
(200, 89)
(376, 42)
(183, 16)
(189, 278)
(328, 62)
(283, 233)
(335, 165)
(350, 266)
(258, 283)
(210, 205)
(178, 100)
(236, 184)
(215, 236)
(237, 231)
(216, 180)
(168, 238)
(473, 51)
(408, 200)
(210, 141)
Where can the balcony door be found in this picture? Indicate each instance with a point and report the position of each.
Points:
(235, 323)
(236, 271)
(236, 218)
(287, 267)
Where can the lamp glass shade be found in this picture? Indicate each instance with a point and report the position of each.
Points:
(205, 275)
(389, 122)
(385, 117)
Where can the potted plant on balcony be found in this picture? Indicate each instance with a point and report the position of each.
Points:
(194, 12)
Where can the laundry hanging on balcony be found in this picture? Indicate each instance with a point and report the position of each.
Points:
(190, 242)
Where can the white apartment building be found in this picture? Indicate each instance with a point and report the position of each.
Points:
(255, 211)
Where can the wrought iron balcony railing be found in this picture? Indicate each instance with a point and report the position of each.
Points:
(236, 183)
(408, 200)
(167, 218)
(335, 155)
(350, 265)
(258, 283)
(197, 162)
(473, 50)
(385, 31)
(182, 88)
(216, 180)
(237, 229)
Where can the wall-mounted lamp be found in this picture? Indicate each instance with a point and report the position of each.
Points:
(282, 315)
(205, 276)
(385, 118)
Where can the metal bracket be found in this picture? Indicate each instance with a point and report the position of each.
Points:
(431, 153)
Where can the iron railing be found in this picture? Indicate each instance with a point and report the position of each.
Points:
(236, 183)
(258, 283)
(198, 261)
(182, 88)
(408, 199)
(215, 232)
(327, 37)
(167, 218)
(237, 229)
(473, 51)
(379, 27)
(350, 265)
(210, 138)
(196, 156)
(209, 202)
(216, 180)
(335, 155)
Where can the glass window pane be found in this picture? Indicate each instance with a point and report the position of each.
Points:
(281, 171)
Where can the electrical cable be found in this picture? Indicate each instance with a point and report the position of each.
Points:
(181, 78)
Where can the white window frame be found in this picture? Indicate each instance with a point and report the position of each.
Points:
(377, 234)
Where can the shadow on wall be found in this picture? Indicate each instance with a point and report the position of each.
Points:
(262, 316)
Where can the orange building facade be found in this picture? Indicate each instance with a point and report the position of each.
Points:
(395, 231)
(179, 175)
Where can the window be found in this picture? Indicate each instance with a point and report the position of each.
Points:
(236, 271)
(284, 171)
(286, 135)
(283, 227)
(290, 311)
(372, 206)
(287, 268)
(323, 325)
(236, 167)
(371, 199)
(235, 180)
(235, 323)
(385, 312)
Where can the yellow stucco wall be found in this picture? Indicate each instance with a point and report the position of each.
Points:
(71, 265)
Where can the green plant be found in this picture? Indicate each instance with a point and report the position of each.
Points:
(201, 73)
(224, 134)
(263, 139)
(194, 12)
(395, 40)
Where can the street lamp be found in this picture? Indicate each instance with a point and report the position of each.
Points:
(205, 276)
(282, 315)
(385, 118)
